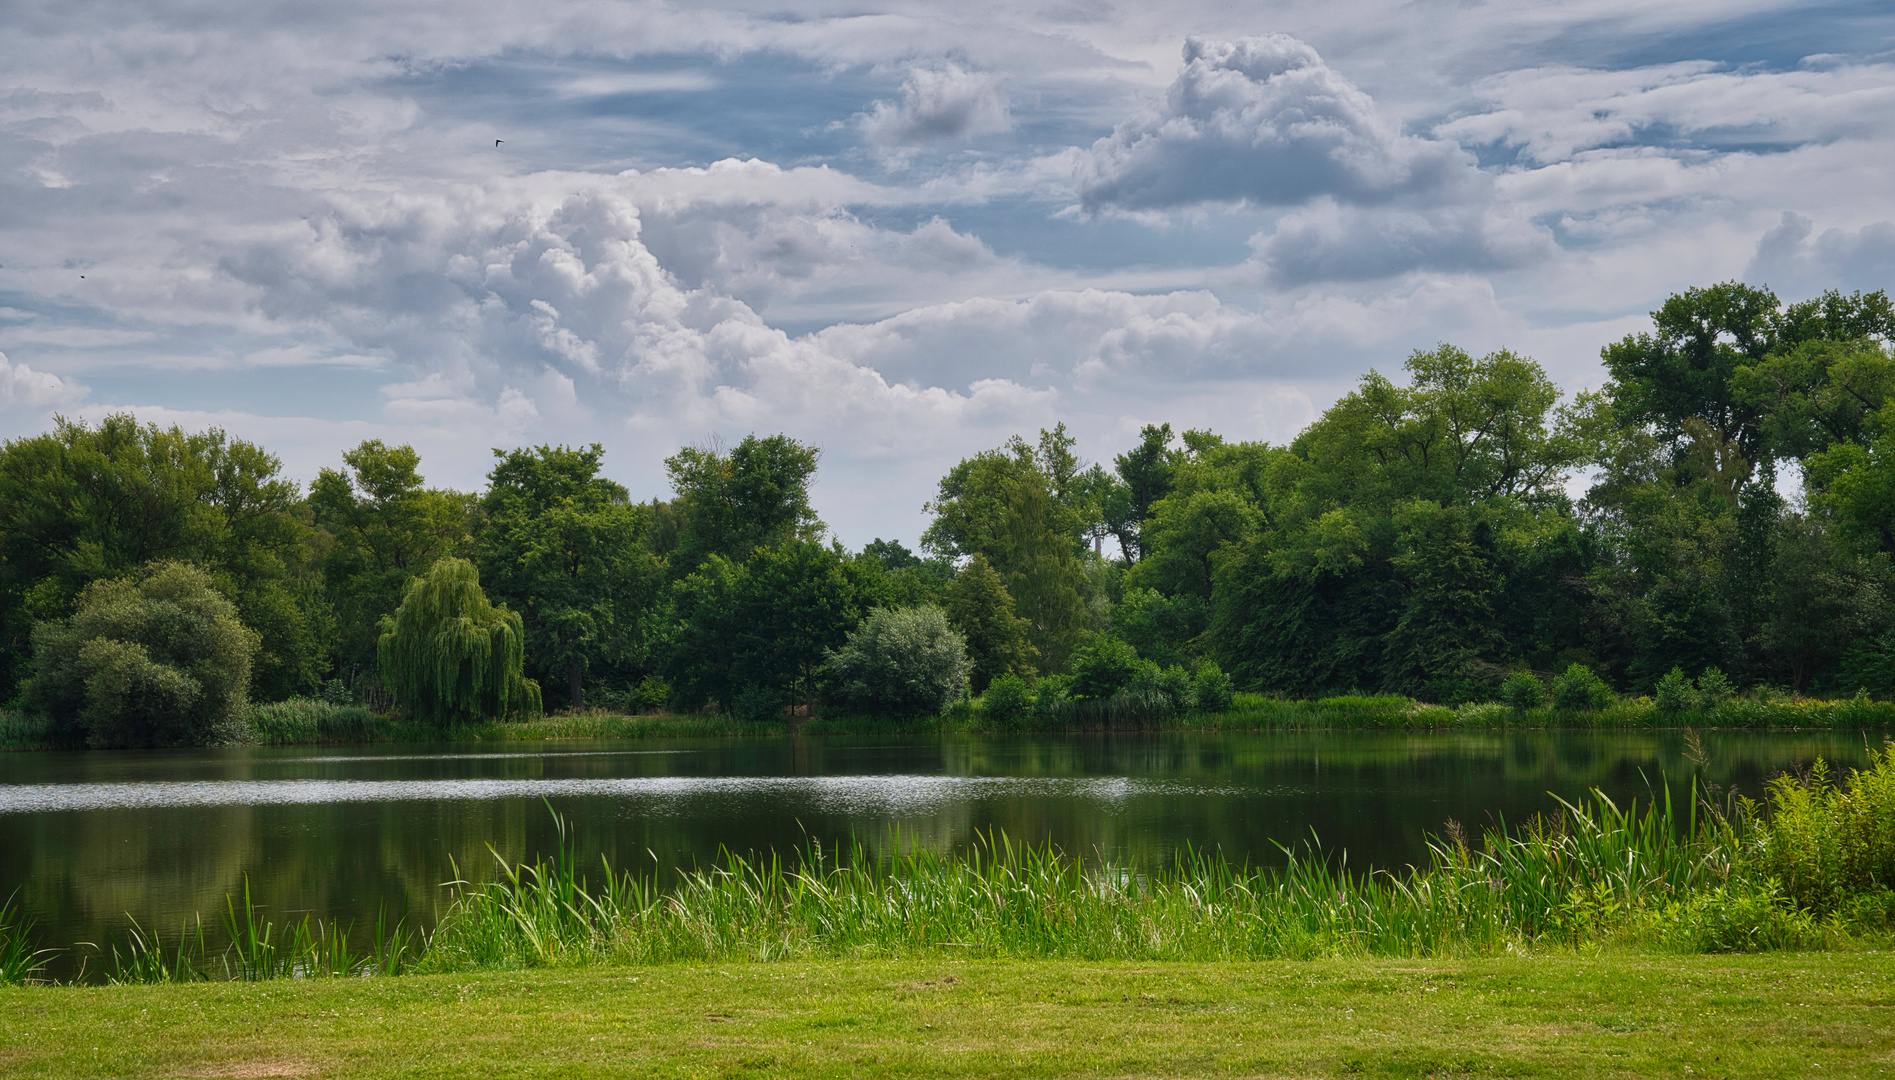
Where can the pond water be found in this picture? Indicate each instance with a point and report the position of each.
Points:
(91, 838)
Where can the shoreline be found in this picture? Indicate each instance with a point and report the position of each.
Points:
(319, 724)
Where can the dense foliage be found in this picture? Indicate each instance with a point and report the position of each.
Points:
(155, 660)
(1717, 520)
(449, 656)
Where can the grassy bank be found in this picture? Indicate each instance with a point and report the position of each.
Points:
(316, 722)
(1818, 1015)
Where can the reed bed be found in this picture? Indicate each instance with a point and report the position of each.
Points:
(1808, 868)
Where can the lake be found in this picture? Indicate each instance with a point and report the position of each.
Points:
(90, 838)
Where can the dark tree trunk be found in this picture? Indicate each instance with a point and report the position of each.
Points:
(576, 692)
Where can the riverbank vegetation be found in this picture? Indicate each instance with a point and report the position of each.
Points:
(1806, 868)
(1419, 542)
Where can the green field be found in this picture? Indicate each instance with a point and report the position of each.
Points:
(1819, 1015)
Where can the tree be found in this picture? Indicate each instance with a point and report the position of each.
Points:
(80, 504)
(563, 546)
(1447, 623)
(1143, 478)
(753, 636)
(1042, 571)
(757, 495)
(388, 529)
(450, 657)
(155, 660)
(981, 609)
(901, 662)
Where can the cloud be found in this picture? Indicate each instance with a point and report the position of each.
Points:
(1791, 261)
(1264, 121)
(25, 389)
(939, 104)
(1331, 242)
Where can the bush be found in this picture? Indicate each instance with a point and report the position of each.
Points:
(1175, 685)
(160, 660)
(1008, 702)
(1104, 667)
(901, 662)
(1522, 691)
(1674, 693)
(1579, 690)
(1714, 687)
(1049, 697)
(1211, 688)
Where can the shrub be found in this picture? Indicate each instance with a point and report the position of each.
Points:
(901, 662)
(1050, 697)
(1674, 693)
(1175, 685)
(1578, 689)
(160, 660)
(450, 657)
(1104, 667)
(1714, 687)
(1008, 702)
(1211, 688)
(1523, 690)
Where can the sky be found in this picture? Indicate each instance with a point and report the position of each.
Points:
(900, 231)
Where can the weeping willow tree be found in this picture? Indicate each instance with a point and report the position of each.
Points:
(450, 657)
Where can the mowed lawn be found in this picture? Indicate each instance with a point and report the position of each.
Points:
(1818, 1014)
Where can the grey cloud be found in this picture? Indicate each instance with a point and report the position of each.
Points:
(1329, 242)
(1264, 121)
(1793, 262)
(939, 104)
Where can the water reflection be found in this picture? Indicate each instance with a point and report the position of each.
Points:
(89, 838)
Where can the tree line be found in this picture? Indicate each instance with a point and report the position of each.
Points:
(1432, 534)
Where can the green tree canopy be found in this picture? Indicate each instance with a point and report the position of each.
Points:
(753, 636)
(160, 659)
(981, 610)
(901, 662)
(450, 657)
(80, 504)
(730, 504)
(564, 547)
(388, 529)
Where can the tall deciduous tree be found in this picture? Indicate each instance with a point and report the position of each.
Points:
(388, 529)
(564, 547)
(732, 503)
(753, 636)
(82, 503)
(981, 609)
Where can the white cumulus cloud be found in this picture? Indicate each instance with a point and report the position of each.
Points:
(939, 104)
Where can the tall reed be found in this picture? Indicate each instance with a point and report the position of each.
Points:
(20, 962)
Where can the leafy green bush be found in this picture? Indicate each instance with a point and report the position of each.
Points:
(1103, 667)
(1008, 702)
(1175, 685)
(901, 662)
(1522, 691)
(160, 660)
(1211, 689)
(1674, 692)
(1577, 689)
(1050, 697)
(1824, 842)
(1714, 687)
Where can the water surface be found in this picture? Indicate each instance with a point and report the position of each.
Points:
(90, 838)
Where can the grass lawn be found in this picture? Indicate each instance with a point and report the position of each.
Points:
(1810, 1014)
